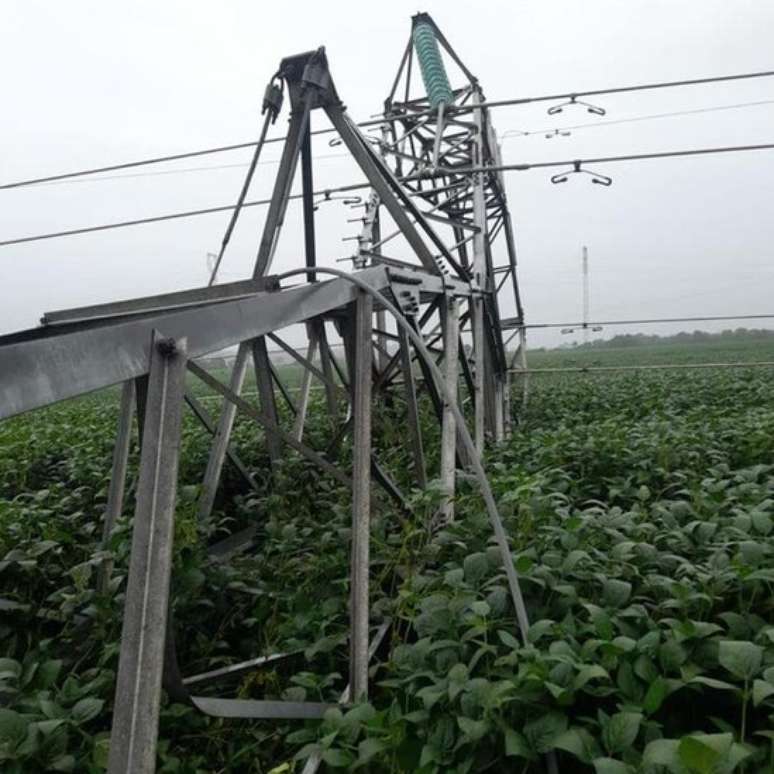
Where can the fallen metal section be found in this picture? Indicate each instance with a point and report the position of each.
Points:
(40, 372)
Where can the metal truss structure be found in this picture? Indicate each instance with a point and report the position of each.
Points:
(420, 311)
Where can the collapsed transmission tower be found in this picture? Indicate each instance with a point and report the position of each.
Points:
(435, 264)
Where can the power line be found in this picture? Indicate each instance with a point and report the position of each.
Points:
(650, 321)
(359, 186)
(623, 89)
(179, 171)
(379, 121)
(168, 216)
(506, 135)
(633, 119)
(598, 160)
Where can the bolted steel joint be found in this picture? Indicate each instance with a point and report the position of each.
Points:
(167, 347)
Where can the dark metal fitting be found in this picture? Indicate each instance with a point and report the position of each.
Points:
(316, 74)
(272, 99)
(167, 347)
(573, 100)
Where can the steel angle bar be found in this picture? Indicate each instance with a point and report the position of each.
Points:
(46, 369)
(226, 292)
(299, 128)
(283, 389)
(269, 426)
(327, 363)
(390, 487)
(315, 759)
(451, 321)
(138, 686)
(208, 423)
(394, 198)
(115, 497)
(235, 670)
(361, 496)
(307, 364)
(222, 437)
(412, 410)
(262, 367)
(261, 710)
(236, 543)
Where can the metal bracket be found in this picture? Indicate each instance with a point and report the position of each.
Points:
(596, 177)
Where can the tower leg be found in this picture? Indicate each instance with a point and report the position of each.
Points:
(361, 497)
(138, 687)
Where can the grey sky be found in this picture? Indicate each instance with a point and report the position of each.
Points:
(92, 83)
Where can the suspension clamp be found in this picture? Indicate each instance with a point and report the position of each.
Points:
(272, 98)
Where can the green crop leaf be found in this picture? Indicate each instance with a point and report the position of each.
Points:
(481, 608)
(508, 639)
(476, 568)
(620, 731)
(87, 709)
(577, 741)
(589, 672)
(473, 729)
(762, 689)
(543, 732)
(368, 749)
(658, 691)
(611, 766)
(616, 593)
(47, 673)
(516, 746)
(663, 752)
(741, 658)
(703, 754)
(338, 759)
(13, 727)
(10, 669)
(711, 682)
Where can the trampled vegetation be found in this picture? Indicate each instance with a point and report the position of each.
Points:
(640, 508)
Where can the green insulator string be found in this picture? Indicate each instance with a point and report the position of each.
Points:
(430, 62)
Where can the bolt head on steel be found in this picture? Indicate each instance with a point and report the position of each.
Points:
(167, 347)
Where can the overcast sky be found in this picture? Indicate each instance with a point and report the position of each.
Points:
(93, 83)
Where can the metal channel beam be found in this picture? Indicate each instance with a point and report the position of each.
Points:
(47, 369)
(268, 425)
(412, 408)
(222, 437)
(361, 496)
(138, 687)
(165, 301)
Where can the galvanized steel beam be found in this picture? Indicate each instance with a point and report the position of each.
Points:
(138, 686)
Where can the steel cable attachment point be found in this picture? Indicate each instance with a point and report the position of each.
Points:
(351, 201)
(272, 104)
(596, 177)
(573, 100)
(272, 97)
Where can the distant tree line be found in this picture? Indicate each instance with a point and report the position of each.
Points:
(684, 337)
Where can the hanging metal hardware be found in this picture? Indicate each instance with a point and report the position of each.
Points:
(596, 177)
(272, 97)
(558, 133)
(596, 110)
(327, 196)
